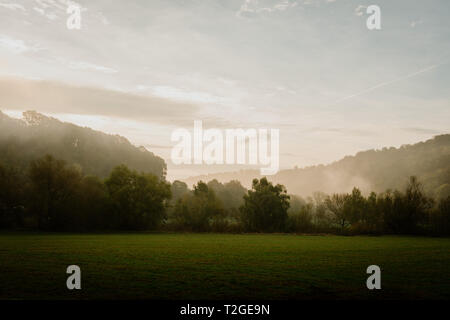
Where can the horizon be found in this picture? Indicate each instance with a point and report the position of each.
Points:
(18, 115)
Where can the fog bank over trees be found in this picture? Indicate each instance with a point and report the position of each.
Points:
(371, 170)
(95, 152)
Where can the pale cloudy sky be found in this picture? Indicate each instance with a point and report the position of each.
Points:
(310, 68)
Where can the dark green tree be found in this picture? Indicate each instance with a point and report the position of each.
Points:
(336, 205)
(199, 210)
(265, 207)
(440, 218)
(94, 206)
(138, 200)
(408, 212)
(11, 197)
(54, 190)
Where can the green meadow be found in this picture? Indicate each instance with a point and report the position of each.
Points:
(222, 266)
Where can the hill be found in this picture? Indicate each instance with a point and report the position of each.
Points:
(36, 135)
(371, 170)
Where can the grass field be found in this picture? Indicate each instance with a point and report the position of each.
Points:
(222, 266)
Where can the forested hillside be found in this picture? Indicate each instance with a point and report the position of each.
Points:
(97, 153)
(372, 170)
(60, 177)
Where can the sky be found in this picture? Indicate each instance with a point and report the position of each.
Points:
(310, 68)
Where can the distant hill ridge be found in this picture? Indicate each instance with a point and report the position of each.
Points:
(371, 170)
(24, 140)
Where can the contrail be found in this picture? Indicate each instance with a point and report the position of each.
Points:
(387, 83)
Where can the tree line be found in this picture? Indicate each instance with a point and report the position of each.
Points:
(52, 195)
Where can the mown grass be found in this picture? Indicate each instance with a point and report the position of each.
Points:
(222, 266)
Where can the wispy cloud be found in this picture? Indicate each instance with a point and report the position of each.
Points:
(250, 7)
(16, 45)
(54, 97)
(81, 65)
(12, 6)
(343, 131)
(179, 94)
(422, 130)
(50, 16)
(383, 84)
